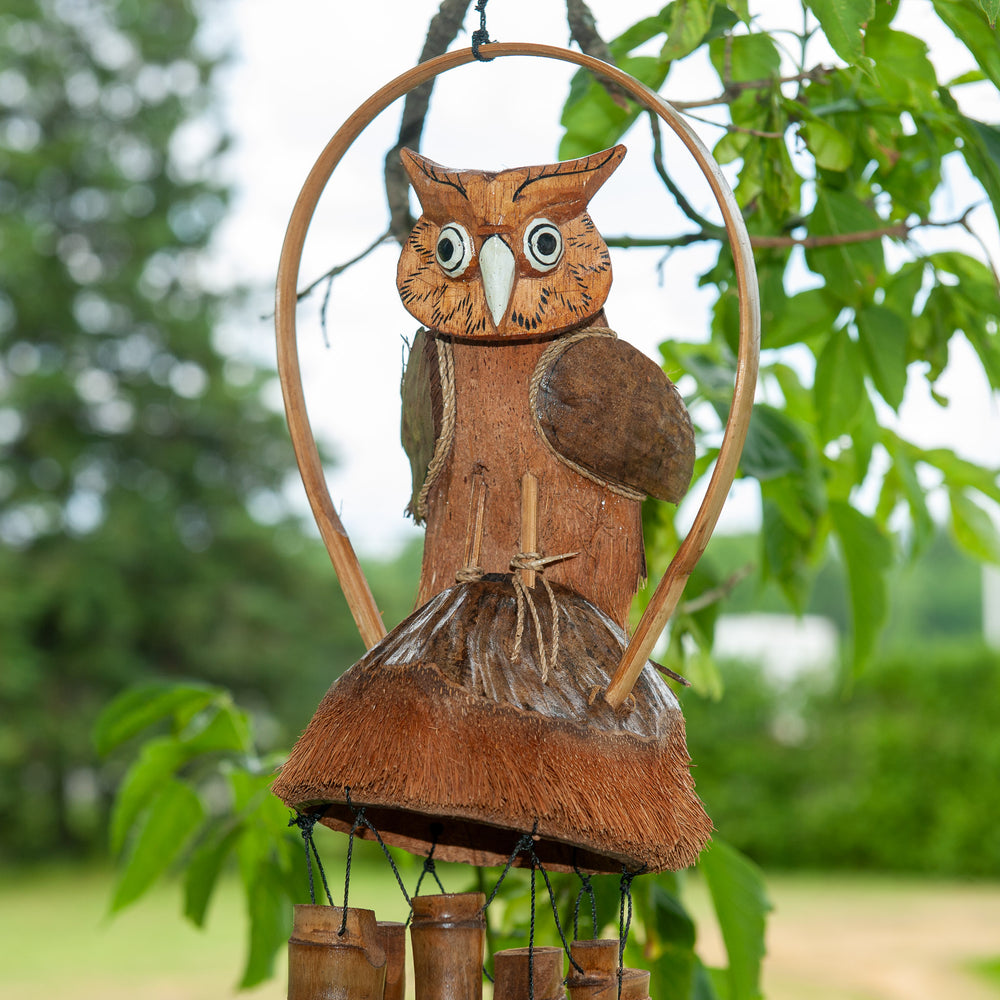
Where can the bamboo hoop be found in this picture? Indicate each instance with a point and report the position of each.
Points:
(352, 579)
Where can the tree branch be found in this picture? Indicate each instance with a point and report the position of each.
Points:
(723, 590)
(583, 31)
(441, 32)
(683, 204)
(734, 88)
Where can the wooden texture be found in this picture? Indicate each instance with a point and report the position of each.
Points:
(352, 580)
(448, 935)
(528, 974)
(529, 524)
(326, 965)
(599, 979)
(392, 939)
(607, 407)
(439, 724)
(574, 514)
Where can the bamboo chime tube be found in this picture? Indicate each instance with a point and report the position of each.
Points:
(528, 974)
(324, 963)
(392, 938)
(448, 935)
(599, 979)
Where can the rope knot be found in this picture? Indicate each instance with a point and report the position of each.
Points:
(481, 36)
(536, 562)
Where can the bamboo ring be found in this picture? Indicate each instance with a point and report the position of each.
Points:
(349, 572)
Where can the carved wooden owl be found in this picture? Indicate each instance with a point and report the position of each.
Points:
(533, 435)
(518, 373)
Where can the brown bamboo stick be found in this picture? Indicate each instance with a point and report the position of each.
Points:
(322, 962)
(529, 523)
(477, 510)
(448, 936)
(392, 938)
(517, 970)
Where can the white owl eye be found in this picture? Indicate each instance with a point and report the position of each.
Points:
(543, 245)
(454, 249)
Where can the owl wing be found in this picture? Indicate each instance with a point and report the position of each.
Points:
(426, 401)
(606, 408)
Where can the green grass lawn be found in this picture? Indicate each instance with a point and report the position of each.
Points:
(831, 938)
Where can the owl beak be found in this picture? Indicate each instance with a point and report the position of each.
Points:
(496, 265)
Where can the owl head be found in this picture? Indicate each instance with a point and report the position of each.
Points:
(508, 254)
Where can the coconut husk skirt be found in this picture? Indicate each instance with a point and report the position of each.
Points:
(458, 736)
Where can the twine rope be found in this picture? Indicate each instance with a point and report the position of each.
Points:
(542, 368)
(442, 447)
(537, 562)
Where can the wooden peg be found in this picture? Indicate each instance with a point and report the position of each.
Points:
(529, 523)
(392, 938)
(517, 970)
(448, 935)
(322, 962)
(477, 509)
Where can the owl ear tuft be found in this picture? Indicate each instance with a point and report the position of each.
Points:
(576, 180)
(425, 175)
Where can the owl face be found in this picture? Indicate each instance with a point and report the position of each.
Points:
(508, 254)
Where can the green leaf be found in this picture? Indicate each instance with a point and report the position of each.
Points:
(807, 315)
(868, 556)
(740, 900)
(843, 23)
(143, 706)
(851, 268)
(838, 384)
(174, 816)
(202, 873)
(670, 945)
(270, 918)
(774, 447)
(738, 58)
(689, 23)
(991, 8)
(157, 762)
(830, 148)
(884, 340)
(973, 24)
(974, 529)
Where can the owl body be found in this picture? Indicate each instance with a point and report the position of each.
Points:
(509, 274)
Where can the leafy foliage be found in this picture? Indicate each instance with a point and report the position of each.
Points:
(198, 790)
(838, 169)
(131, 448)
(898, 777)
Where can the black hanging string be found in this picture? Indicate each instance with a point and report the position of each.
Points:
(625, 918)
(305, 822)
(429, 867)
(526, 846)
(361, 819)
(586, 888)
(531, 934)
(481, 36)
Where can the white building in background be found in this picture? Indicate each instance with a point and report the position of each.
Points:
(991, 606)
(785, 646)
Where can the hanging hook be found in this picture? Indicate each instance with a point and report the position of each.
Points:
(481, 36)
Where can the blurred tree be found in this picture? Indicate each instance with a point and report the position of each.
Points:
(142, 528)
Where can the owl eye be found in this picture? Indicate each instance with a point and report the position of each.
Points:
(543, 245)
(454, 249)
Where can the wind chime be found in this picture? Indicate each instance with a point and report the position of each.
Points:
(510, 720)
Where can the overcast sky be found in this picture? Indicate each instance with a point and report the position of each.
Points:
(298, 74)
